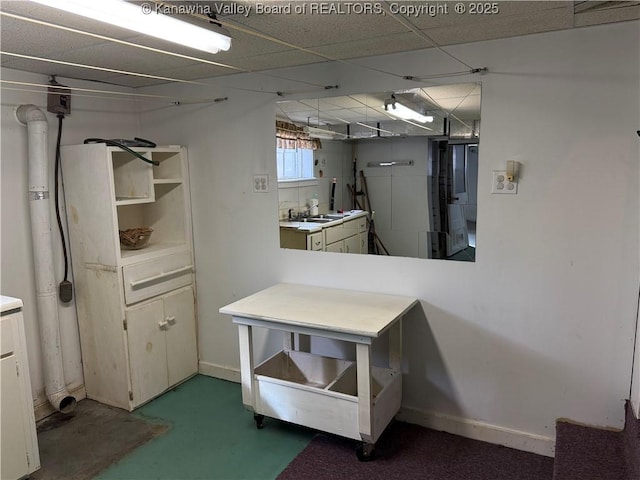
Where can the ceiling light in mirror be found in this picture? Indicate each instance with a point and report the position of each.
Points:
(419, 179)
(397, 109)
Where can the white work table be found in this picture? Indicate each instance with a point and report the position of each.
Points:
(354, 400)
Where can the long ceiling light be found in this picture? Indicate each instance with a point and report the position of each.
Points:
(315, 132)
(144, 19)
(396, 109)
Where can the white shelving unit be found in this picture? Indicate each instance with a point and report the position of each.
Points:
(135, 307)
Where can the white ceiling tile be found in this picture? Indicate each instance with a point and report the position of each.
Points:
(624, 11)
(18, 37)
(380, 45)
(198, 71)
(59, 17)
(45, 68)
(505, 11)
(498, 27)
(277, 60)
(133, 82)
(313, 30)
(123, 58)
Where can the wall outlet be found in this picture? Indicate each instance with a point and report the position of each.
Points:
(260, 183)
(502, 185)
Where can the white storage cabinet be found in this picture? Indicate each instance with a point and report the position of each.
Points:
(19, 444)
(135, 307)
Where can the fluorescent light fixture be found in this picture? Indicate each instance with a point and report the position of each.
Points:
(144, 19)
(316, 132)
(396, 109)
(407, 163)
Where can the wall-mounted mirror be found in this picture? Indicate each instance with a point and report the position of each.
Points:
(390, 173)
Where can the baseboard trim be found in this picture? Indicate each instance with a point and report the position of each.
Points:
(464, 427)
(42, 408)
(218, 371)
(476, 430)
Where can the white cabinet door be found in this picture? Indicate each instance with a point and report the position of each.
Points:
(352, 244)
(14, 440)
(147, 350)
(182, 356)
(336, 247)
(364, 243)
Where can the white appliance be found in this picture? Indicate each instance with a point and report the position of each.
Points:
(19, 442)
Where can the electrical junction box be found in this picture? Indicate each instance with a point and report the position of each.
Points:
(59, 100)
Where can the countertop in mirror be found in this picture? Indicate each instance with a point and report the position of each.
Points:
(329, 219)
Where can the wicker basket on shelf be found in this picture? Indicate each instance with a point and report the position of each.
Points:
(135, 238)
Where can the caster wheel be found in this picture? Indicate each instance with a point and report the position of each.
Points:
(365, 452)
(259, 421)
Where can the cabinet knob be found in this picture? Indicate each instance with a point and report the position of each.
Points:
(163, 325)
(171, 320)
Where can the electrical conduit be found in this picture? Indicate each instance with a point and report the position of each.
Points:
(47, 301)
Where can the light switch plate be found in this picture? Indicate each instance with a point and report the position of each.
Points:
(260, 183)
(501, 185)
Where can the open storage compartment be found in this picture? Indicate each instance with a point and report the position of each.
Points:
(302, 368)
(132, 178)
(322, 392)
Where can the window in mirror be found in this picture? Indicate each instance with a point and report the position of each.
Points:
(294, 163)
(421, 178)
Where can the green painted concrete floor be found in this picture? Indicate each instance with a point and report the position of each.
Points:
(212, 436)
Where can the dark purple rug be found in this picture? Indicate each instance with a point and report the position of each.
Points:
(587, 453)
(408, 452)
(631, 440)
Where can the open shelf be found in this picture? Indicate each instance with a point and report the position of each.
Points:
(132, 201)
(168, 181)
(322, 392)
(303, 368)
(165, 215)
(169, 168)
(131, 178)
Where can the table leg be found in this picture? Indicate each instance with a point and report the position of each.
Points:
(365, 397)
(245, 336)
(289, 341)
(395, 346)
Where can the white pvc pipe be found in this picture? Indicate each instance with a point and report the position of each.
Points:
(47, 301)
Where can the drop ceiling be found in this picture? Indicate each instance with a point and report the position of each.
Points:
(268, 41)
(457, 103)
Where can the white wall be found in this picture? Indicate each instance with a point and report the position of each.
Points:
(635, 384)
(89, 117)
(541, 326)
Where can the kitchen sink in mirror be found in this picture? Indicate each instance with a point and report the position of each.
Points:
(388, 173)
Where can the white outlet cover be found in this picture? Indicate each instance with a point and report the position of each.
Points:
(261, 183)
(501, 185)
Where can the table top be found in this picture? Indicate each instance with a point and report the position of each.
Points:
(333, 309)
(9, 303)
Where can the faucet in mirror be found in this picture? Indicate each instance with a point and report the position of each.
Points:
(390, 173)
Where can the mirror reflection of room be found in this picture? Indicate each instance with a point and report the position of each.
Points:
(391, 173)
